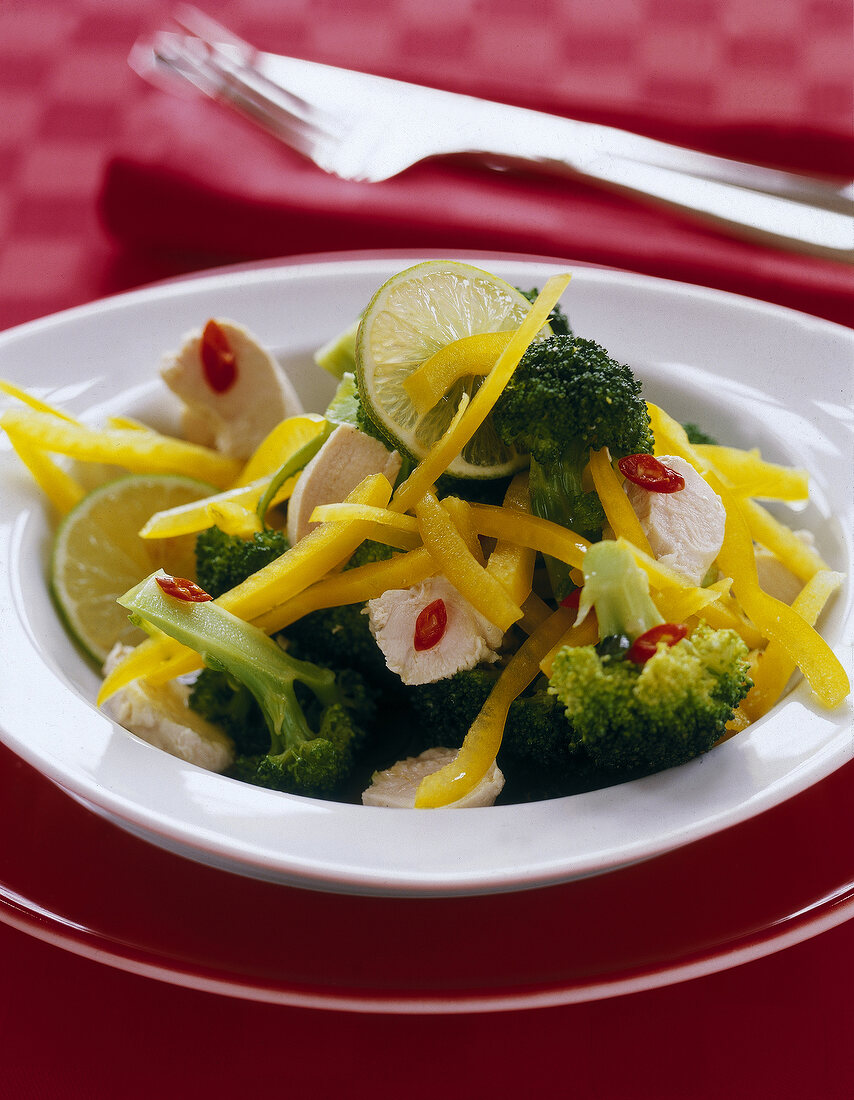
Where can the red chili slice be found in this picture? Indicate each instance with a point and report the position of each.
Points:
(430, 625)
(651, 474)
(183, 589)
(572, 600)
(219, 364)
(645, 646)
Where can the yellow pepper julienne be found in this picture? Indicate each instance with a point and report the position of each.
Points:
(483, 740)
(512, 564)
(60, 488)
(321, 550)
(773, 668)
(33, 402)
(618, 511)
(748, 474)
(470, 355)
(450, 550)
(280, 444)
(821, 667)
(137, 451)
(475, 412)
(532, 531)
(357, 585)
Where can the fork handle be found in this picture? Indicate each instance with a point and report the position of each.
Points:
(772, 206)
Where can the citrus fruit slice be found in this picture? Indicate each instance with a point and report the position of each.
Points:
(412, 317)
(98, 555)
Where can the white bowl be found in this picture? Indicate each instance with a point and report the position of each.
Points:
(751, 373)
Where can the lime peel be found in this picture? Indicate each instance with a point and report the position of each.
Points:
(479, 407)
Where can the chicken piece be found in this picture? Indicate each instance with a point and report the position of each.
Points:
(233, 390)
(774, 577)
(686, 528)
(452, 637)
(346, 458)
(160, 714)
(397, 786)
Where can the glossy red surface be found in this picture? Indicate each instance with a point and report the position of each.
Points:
(77, 880)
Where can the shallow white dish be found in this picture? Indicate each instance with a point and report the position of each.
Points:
(754, 374)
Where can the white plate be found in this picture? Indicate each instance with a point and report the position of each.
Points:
(754, 374)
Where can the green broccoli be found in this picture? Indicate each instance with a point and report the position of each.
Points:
(227, 703)
(340, 637)
(696, 434)
(567, 396)
(311, 714)
(641, 698)
(535, 729)
(224, 561)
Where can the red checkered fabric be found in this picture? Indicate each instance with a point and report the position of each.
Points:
(719, 73)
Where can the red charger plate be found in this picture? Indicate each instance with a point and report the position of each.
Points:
(69, 877)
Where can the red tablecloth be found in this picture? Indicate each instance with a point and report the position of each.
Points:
(77, 138)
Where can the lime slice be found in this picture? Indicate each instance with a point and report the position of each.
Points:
(98, 555)
(339, 355)
(413, 316)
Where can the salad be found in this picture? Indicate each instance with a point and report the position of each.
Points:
(489, 570)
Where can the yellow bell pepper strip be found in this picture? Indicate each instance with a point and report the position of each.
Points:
(61, 489)
(725, 614)
(773, 669)
(535, 611)
(463, 427)
(129, 423)
(364, 582)
(383, 525)
(460, 512)
(483, 740)
(470, 355)
(510, 563)
(158, 651)
(748, 474)
(357, 585)
(448, 547)
(776, 620)
(618, 510)
(141, 452)
(33, 402)
(798, 556)
(196, 515)
(234, 519)
(280, 444)
(261, 494)
(532, 531)
(320, 550)
(677, 605)
(672, 439)
(584, 633)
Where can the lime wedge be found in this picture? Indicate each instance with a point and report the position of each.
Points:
(98, 555)
(412, 317)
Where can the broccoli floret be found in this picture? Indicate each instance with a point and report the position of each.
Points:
(224, 561)
(696, 434)
(312, 715)
(653, 713)
(340, 637)
(535, 730)
(227, 703)
(567, 396)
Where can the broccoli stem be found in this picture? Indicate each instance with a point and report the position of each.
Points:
(557, 494)
(619, 591)
(229, 644)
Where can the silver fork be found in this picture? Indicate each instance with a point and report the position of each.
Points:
(368, 128)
